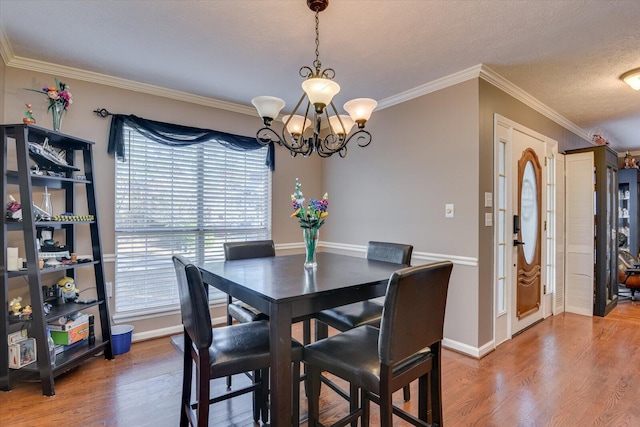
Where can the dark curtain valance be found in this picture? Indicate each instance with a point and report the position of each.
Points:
(178, 135)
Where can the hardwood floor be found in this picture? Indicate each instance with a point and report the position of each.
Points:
(569, 370)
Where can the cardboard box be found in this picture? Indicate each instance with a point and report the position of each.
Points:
(78, 333)
(81, 320)
(22, 353)
(18, 336)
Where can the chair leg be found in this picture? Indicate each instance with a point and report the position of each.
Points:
(257, 396)
(436, 385)
(322, 330)
(386, 408)
(406, 392)
(229, 322)
(185, 401)
(366, 412)
(264, 393)
(424, 398)
(202, 389)
(306, 332)
(353, 402)
(295, 391)
(313, 401)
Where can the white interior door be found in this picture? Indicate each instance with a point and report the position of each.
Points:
(579, 210)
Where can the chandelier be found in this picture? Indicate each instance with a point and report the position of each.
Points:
(304, 134)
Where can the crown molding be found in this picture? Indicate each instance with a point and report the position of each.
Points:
(487, 74)
(477, 71)
(435, 85)
(89, 76)
(6, 52)
(505, 85)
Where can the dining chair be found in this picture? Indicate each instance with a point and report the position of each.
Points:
(367, 312)
(377, 362)
(220, 352)
(239, 310)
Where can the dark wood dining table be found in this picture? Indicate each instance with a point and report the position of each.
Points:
(282, 288)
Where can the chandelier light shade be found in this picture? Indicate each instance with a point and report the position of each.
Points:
(331, 131)
(296, 124)
(268, 106)
(632, 78)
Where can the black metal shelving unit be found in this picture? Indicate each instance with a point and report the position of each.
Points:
(25, 180)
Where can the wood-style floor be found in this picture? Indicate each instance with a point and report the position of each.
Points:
(569, 370)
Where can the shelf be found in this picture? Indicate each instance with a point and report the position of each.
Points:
(52, 269)
(54, 182)
(57, 311)
(18, 225)
(56, 139)
(73, 192)
(69, 358)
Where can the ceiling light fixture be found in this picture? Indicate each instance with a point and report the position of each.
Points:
(632, 78)
(319, 89)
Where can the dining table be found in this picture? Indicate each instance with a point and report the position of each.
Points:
(287, 292)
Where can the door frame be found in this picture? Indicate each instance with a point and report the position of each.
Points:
(503, 308)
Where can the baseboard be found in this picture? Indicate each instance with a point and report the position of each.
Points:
(467, 350)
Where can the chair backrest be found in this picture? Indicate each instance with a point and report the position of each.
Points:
(194, 303)
(413, 315)
(390, 252)
(245, 250)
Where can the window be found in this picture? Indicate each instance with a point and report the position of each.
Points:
(185, 200)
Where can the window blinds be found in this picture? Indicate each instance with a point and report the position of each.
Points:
(182, 200)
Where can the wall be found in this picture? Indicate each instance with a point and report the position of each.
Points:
(424, 154)
(82, 122)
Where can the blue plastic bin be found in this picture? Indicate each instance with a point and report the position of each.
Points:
(121, 335)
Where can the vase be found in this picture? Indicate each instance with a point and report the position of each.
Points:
(310, 236)
(57, 110)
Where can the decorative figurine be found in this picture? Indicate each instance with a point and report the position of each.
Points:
(15, 307)
(69, 290)
(629, 162)
(28, 116)
(14, 209)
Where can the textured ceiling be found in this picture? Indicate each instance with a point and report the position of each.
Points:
(567, 54)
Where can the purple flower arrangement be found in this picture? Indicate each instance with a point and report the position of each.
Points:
(313, 216)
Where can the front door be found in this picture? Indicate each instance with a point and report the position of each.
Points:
(528, 230)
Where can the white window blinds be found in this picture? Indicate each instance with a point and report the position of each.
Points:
(181, 200)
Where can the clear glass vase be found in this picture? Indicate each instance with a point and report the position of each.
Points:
(57, 110)
(310, 236)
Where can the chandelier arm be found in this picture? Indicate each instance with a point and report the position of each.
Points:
(363, 138)
(266, 135)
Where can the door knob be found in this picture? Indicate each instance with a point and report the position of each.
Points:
(517, 243)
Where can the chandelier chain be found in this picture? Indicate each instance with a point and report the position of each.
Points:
(317, 63)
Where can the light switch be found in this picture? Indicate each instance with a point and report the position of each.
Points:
(488, 219)
(488, 200)
(448, 210)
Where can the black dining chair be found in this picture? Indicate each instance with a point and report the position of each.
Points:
(377, 362)
(220, 352)
(367, 312)
(239, 310)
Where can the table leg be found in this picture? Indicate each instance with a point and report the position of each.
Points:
(280, 336)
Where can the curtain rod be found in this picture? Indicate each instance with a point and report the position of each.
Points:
(102, 112)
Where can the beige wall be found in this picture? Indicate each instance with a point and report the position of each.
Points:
(82, 122)
(424, 154)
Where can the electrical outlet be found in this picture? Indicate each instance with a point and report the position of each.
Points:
(109, 286)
